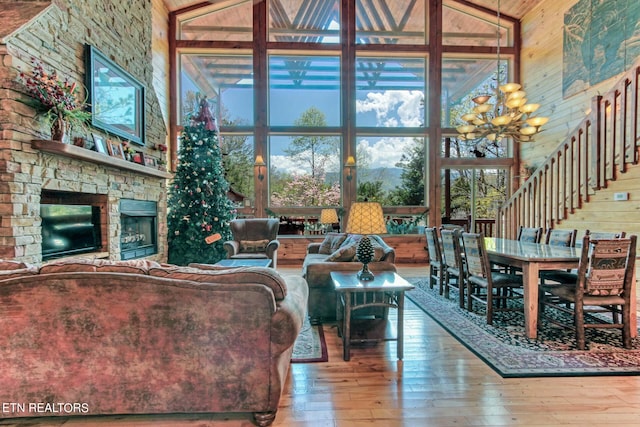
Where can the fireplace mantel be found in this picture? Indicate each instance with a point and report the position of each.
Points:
(80, 153)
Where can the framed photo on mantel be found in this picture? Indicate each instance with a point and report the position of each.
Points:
(100, 144)
(115, 149)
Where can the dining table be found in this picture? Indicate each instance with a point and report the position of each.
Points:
(532, 258)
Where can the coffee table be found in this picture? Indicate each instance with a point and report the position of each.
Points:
(385, 290)
(244, 262)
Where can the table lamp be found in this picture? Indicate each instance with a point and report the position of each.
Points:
(329, 216)
(365, 218)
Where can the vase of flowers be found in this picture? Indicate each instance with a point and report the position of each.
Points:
(56, 100)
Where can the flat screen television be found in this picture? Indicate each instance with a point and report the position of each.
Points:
(69, 230)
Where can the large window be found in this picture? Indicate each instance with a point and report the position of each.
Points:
(324, 103)
(299, 84)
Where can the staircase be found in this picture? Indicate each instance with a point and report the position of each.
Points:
(603, 145)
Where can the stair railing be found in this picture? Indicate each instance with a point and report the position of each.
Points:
(603, 145)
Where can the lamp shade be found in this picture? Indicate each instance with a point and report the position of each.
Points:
(328, 216)
(366, 218)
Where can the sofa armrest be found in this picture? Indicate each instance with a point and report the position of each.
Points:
(272, 247)
(232, 247)
(389, 255)
(290, 313)
(313, 248)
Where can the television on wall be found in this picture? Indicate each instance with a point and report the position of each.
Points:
(69, 230)
(115, 97)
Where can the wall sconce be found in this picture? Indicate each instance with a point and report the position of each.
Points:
(350, 163)
(260, 164)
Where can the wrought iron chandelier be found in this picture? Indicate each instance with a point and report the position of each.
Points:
(503, 114)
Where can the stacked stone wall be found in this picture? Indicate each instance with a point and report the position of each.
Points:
(57, 36)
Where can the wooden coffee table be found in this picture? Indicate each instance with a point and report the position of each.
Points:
(385, 290)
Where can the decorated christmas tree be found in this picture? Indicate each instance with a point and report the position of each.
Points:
(199, 210)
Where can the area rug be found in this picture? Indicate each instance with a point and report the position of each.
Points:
(504, 347)
(310, 345)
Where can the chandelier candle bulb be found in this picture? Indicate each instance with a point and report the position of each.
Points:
(484, 108)
(537, 121)
(465, 128)
(501, 120)
(481, 99)
(510, 87)
(528, 130)
(517, 95)
(529, 108)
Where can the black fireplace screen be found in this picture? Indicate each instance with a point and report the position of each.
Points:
(138, 235)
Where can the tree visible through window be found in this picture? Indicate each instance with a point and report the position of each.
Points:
(304, 169)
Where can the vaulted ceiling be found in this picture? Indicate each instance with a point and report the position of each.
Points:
(514, 8)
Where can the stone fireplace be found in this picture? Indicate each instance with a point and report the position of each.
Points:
(90, 188)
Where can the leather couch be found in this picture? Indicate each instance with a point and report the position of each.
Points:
(137, 337)
(318, 264)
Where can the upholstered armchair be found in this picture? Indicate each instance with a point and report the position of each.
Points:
(254, 238)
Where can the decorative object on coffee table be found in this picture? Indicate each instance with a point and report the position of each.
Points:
(365, 218)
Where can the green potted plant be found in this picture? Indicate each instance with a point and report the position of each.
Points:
(56, 100)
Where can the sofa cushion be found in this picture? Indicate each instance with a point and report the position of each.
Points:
(344, 253)
(12, 265)
(137, 266)
(253, 246)
(261, 275)
(331, 243)
(76, 265)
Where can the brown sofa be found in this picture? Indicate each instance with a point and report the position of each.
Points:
(318, 265)
(99, 337)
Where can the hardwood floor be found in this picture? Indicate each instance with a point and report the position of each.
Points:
(439, 383)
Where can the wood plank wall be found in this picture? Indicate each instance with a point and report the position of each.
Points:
(542, 62)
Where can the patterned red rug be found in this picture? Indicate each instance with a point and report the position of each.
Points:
(504, 347)
(310, 346)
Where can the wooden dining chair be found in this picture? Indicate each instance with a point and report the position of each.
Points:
(603, 285)
(559, 238)
(436, 266)
(571, 276)
(605, 234)
(530, 234)
(452, 259)
(485, 286)
(562, 238)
